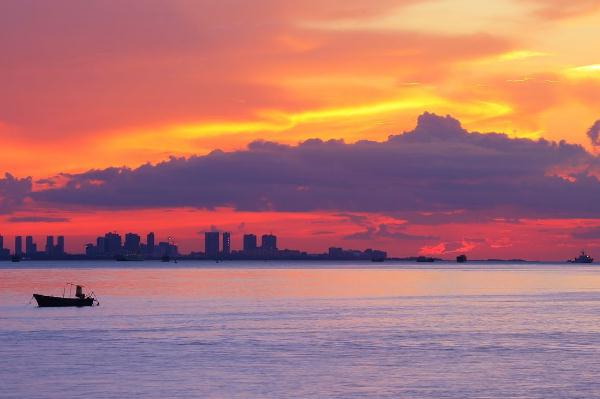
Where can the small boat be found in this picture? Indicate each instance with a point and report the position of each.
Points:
(583, 258)
(79, 300)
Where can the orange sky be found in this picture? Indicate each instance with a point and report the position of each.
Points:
(97, 84)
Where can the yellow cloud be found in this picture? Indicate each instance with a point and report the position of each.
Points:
(521, 54)
(280, 121)
(178, 138)
(585, 71)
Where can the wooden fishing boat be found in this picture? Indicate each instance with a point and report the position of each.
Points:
(79, 300)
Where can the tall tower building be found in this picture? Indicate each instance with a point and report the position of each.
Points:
(60, 245)
(112, 243)
(30, 248)
(4, 253)
(101, 245)
(49, 245)
(211, 244)
(269, 243)
(132, 243)
(249, 243)
(150, 243)
(226, 244)
(18, 245)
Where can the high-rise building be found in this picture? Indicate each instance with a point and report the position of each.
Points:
(30, 247)
(132, 243)
(150, 243)
(91, 250)
(49, 245)
(18, 245)
(112, 244)
(4, 253)
(101, 245)
(226, 244)
(249, 243)
(167, 249)
(269, 243)
(59, 249)
(211, 244)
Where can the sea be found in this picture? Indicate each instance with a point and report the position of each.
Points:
(302, 330)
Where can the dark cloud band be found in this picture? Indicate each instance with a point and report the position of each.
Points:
(438, 166)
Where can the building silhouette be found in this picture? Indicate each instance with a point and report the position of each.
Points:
(132, 243)
(335, 252)
(18, 245)
(249, 244)
(150, 244)
(216, 246)
(167, 249)
(109, 246)
(30, 247)
(49, 245)
(59, 249)
(91, 250)
(100, 245)
(211, 244)
(268, 243)
(4, 252)
(112, 244)
(226, 244)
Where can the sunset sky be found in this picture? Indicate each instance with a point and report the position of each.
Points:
(415, 126)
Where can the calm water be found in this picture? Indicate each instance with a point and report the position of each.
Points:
(305, 330)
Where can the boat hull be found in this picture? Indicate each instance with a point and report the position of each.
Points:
(45, 301)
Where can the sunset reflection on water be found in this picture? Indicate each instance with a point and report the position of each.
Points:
(304, 280)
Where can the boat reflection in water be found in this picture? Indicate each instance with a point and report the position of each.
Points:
(80, 299)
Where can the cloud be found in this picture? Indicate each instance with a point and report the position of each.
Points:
(47, 182)
(592, 233)
(437, 167)
(463, 246)
(323, 232)
(37, 219)
(189, 53)
(561, 9)
(384, 230)
(594, 133)
(13, 192)
(359, 220)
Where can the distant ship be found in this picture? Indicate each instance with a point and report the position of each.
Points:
(461, 258)
(128, 258)
(583, 258)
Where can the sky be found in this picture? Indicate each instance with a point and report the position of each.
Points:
(432, 127)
